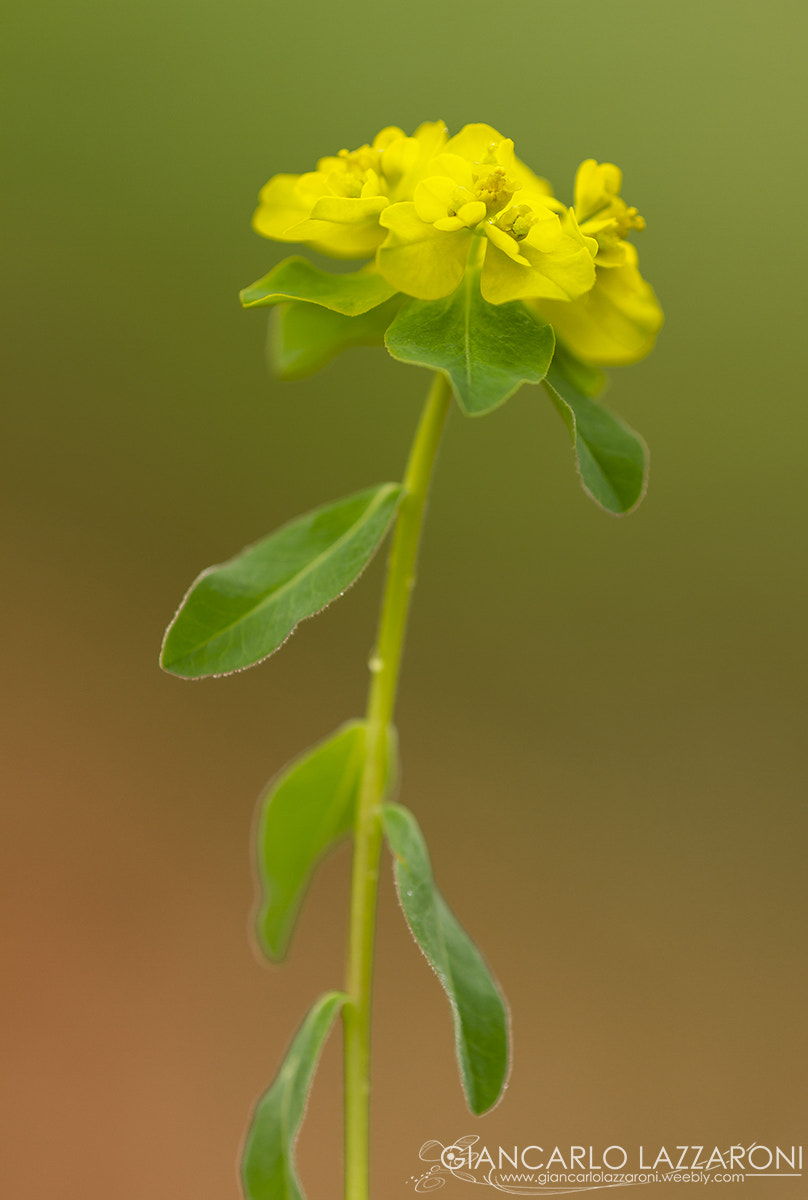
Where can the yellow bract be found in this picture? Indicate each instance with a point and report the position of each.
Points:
(429, 207)
(614, 324)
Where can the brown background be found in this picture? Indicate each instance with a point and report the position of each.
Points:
(602, 722)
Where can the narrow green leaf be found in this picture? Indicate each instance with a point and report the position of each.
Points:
(298, 279)
(305, 812)
(478, 1007)
(268, 1169)
(238, 613)
(304, 337)
(612, 458)
(487, 350)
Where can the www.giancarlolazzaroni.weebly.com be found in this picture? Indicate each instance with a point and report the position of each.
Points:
(533, 1170)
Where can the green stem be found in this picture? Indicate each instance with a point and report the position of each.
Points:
(384, 666)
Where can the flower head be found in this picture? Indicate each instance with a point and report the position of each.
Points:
(617, 321)
(602, 212)
(431, 210)
(335, 208)
(476, 188)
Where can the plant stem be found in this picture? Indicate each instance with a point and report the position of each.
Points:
(384, 666)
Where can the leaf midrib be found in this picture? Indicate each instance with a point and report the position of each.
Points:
(443, 968)
(467, 328)
(272, 595)
(289, 1128)
(597, 460)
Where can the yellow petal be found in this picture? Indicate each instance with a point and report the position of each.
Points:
(348, 210)
(616, 323)
(474, 142)
(431, 137)
(328, 164)
(281, 206)
(338, 241)
(387, 136)
(371, 186)
(449, 224)
(433, 197)
(472, 213)
(563, 273)
(540, 202)
(483, 143)
(398, 163)
(546, 234)
(573, 229)
(526, 179)
(612, 251)
(596, 186)
(453, 167)
(596, 225)
(419, 259)
(407, 160)
(504, 242)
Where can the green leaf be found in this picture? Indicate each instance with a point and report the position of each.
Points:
(304, 337)
(298, 279)
(305, 812)
(478, 1008)
(487, 350)
(238, 613)
(268, 1170)
(612, 458)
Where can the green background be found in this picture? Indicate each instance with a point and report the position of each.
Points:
(601, 721)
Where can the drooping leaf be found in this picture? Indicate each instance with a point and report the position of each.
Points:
(268, 1170)
(612, 458)
(238, 613)
(298, 279)
(304, 337)
(479, 1011)
(305, 812)
(487, 350)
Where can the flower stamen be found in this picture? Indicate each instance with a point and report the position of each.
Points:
(362, 160)
(494, 188)
(517, 221)
(629, 220)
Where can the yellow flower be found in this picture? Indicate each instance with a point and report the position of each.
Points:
(428, 208)
(476, 188)
(601, 211)
(335, 209)
(617, 321)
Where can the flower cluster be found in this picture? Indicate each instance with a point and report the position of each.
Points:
(431, 210)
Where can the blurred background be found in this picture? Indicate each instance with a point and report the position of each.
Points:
(602, 722)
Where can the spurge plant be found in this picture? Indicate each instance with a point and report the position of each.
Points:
(476, 271)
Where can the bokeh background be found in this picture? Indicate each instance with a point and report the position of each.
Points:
(602, 722)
